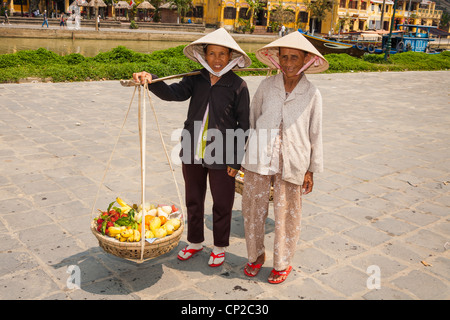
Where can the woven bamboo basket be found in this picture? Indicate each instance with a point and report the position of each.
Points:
(132, 250)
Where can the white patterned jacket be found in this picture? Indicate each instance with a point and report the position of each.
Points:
(301, 117)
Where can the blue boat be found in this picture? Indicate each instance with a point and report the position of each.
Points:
(414, 38)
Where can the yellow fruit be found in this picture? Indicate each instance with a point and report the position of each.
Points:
(169, 228)
(125, 209)
(127, 233)
(121, 202)
(160, 233)
(175, 222)
(113, 231)
(149, 234)
(155, 223)
(137, 235)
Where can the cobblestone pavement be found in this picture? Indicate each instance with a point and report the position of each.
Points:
(375, 227)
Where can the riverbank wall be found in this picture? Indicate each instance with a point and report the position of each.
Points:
(170, 33)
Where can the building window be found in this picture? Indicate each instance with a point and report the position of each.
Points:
(363, 5)
(198, 12)
(229, 13)
(243, 14)
(342, 4)
(303, 16)
(353, 4)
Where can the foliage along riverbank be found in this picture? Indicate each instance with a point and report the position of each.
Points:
(120, 63)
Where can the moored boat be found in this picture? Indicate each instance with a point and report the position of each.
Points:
(327, 46)
(414, 38)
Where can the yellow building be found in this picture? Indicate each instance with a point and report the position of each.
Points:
(232, 14)
(345, 15)
(16, 7)
(360, 15)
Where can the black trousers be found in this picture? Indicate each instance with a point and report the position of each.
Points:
(222, 190)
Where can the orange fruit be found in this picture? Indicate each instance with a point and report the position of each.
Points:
(148, 218)
(163, 220)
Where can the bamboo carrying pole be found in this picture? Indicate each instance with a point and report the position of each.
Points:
(132, 83)
(143, 136)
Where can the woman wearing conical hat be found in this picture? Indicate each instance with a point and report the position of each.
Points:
(218, 107)
(284, 148)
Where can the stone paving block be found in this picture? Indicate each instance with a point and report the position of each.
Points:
(339, 247)
(418, 218)
(345, 279)
(28, 219)
(378, 204)
(386, 293)
(309, 289)
(423, 285)
(18, 286)
(429, 240)
(311, 260)
(393, 226)
(387, 266)
(410, 253)
(106, 289)
(367, 235)
(331, 221)
(350, 194)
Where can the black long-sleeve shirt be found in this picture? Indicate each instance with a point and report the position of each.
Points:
(229, 102)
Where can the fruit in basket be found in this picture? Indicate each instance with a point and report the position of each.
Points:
(161, 212)
(126, 233)
(152, 212)
(124, 207)
(149, 234)
(169, 228)
(160, 233)
(163, 220)
(155, 224)
(136, 236)
(175, 222)
(114, 231)
(167, 209)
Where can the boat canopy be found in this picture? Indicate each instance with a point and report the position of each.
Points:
(439, 32)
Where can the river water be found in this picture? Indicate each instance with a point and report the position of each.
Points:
(90, 48)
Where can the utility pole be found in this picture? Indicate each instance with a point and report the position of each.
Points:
(96, 14)
(382, 15)
(388, 43)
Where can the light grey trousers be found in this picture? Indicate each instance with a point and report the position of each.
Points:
(287, 202)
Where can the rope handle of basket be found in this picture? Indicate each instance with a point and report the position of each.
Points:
(180, 199)
(108, 164)
(142, 139)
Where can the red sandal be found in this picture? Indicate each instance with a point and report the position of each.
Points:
(191, 251)
(217, 256)
(253, 267)
(280, 273)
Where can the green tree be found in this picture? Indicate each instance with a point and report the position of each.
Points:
(254, 7)
(183, 7)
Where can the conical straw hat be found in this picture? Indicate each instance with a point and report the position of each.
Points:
(294, 40)
(220, 37)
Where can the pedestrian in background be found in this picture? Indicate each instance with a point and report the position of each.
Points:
(45, 19)
(62, 20)
(6, 17)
